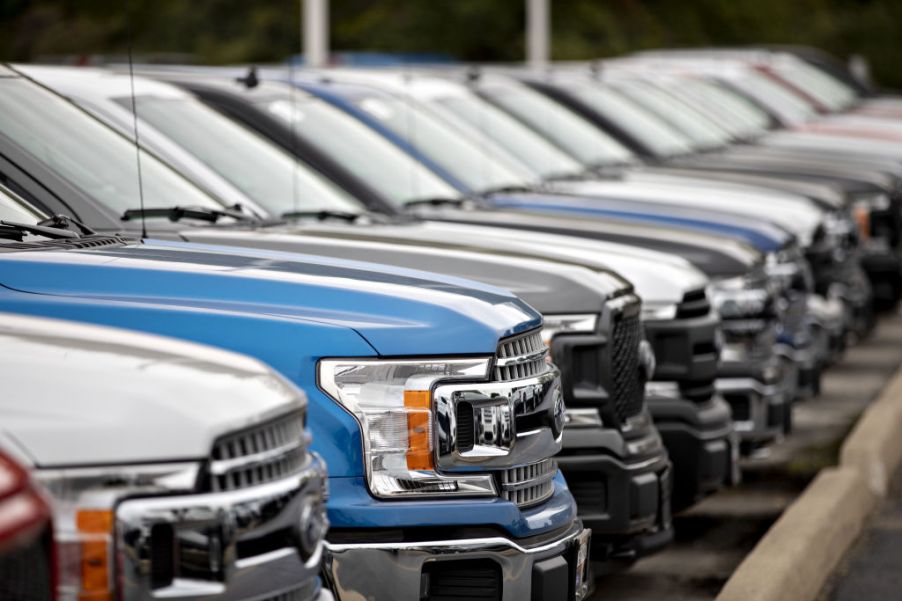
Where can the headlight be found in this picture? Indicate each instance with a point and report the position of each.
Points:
(733, 300)
(392, 402)
(83, 518)
(583, 323)
(658, 311)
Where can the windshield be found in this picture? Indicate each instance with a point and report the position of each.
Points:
(396, 176)
(525, 144)
(478, 167)
(260, 169)
(754, 119)
(703, 133)
(650, 130)
(88, 155)
(827, 90)
(13, 208)
(777, 97)
(575, 135)
(734, 119)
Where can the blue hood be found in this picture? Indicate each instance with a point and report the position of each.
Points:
(397, 311)
(760, 234)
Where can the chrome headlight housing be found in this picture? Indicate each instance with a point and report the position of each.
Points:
(652, 311)
(577, 323)
(733, 299)
(392, 403)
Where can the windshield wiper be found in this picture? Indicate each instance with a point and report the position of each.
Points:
(507, 190)
(322, 215)
(178, 213)
(15, 230)
(436, 202)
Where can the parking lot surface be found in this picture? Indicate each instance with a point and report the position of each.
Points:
(713, 537)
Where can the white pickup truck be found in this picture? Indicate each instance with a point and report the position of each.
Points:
(173, 470)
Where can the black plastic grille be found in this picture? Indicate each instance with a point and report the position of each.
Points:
(627, 387)
(588, 490)
(472, 580)
(260, 454)
(466, 428)
(740, 407)
(694, 304)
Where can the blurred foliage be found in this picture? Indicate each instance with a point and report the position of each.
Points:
(223, 31)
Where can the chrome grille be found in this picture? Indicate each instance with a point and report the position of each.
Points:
(627, 390)
(530, 484)
(259, 454)
(521, 356)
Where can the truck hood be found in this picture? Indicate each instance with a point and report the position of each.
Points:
(113, 392)
(582, 199)
(829, 195)
(397, 311)
(715, 255)
(699, 199)
(550, 272)
(794, 212)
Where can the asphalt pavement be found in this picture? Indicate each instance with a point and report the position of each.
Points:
(713, 537)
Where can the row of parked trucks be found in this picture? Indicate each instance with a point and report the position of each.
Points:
(422, 334)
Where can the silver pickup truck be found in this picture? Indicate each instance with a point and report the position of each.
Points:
(173, 470)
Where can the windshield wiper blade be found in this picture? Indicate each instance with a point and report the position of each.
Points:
(322, 215)
(508, 190)
(41, 230)
(436, 202)
(177, 213)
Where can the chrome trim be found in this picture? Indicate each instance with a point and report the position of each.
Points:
(529, 485)
(498, 404)
(212, 525)
(583, 418)
(520, 359)
(222, 466)
(392, 571)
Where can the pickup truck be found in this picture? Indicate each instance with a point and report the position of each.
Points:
(171, 469)
(430, 398)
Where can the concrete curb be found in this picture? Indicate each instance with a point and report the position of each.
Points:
(800, 551)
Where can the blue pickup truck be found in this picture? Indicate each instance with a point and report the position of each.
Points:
(431, 399)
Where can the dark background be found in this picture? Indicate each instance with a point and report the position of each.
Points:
(223, 31)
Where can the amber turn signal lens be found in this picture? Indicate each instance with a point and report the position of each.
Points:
(96, 528)
(419, 431)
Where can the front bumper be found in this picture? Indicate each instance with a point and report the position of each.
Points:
(542, 567)
(701, 443)
(754, 390)
(622, 485)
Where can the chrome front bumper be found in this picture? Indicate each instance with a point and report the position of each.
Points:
(394, 571)
(244, 544)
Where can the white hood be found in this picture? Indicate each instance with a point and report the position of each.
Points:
(79, 395)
